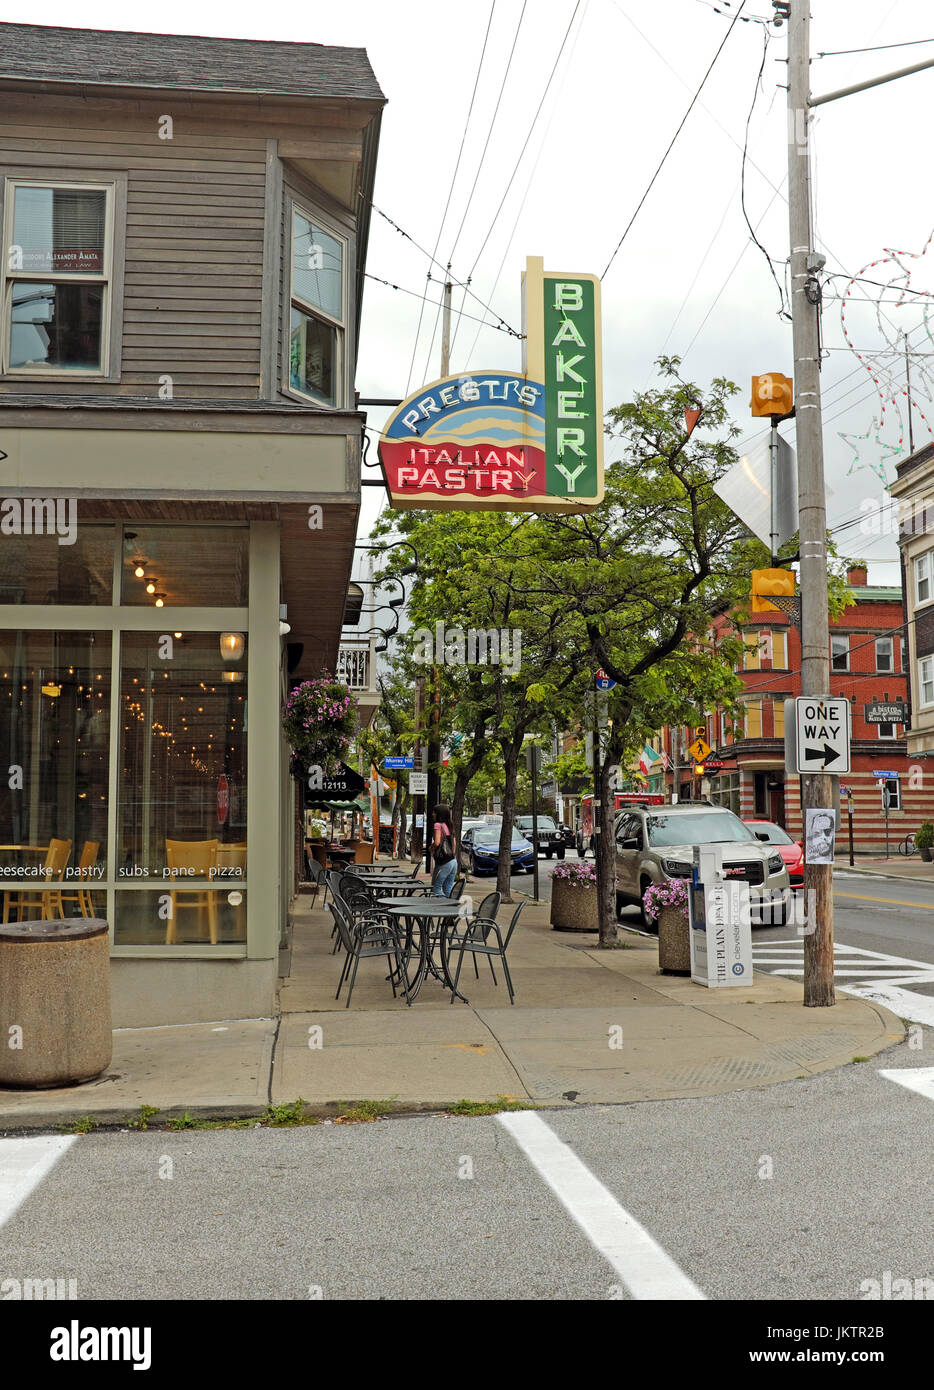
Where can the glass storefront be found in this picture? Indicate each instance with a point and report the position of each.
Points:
(147, 827)
(54, 750)
(724, 791)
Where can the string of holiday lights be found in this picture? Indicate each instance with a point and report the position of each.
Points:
(887, 365)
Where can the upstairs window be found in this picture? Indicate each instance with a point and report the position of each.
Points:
(317, 312)
(926, 680)
(885, 654)
(923, 578)
(56, 267)
(839, 653)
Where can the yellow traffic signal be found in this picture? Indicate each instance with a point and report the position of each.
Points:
(772, 394)
(767, 582)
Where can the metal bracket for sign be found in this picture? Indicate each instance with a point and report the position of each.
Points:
(791, 607)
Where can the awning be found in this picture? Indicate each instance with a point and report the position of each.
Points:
(362, 803)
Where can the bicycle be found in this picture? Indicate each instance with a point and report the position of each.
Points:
(907, 846)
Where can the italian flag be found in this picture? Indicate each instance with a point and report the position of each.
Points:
(648, 759)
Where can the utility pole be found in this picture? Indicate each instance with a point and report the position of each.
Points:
(418, 802)
(812, 511)
(434, 726)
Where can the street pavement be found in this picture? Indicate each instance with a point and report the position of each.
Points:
(805, 1190)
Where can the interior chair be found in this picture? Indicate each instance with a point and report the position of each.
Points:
(47, 902)
(477, 940)
(85, 864)
(187, 859)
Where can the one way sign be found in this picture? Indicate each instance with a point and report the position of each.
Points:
(822, 734)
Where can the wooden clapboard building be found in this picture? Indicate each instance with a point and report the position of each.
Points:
(185, 225)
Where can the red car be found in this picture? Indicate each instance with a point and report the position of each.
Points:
(792, 851)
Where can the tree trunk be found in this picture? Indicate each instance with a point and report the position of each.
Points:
(605, 851)
(402, 806)
(511, 768)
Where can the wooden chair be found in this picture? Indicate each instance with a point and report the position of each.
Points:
(46, 901)
(192, 859)
(85, 865)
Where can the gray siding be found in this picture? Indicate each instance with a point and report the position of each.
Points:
(194, 240)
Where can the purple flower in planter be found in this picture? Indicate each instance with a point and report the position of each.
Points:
(582, 875)
(671, 894)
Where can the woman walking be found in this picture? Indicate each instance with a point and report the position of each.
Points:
(443, 853)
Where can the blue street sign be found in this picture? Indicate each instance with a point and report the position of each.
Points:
(885, 774)
(603, 681)
(392, 764)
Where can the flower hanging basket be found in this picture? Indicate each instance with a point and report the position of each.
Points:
(319, 719)
(574, 898)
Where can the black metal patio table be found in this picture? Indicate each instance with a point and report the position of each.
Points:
(425, 911)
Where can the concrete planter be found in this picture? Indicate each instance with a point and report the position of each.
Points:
(925, 852)
(674, 942)
(573, 906)
(55, 985)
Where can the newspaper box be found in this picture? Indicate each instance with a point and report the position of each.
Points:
(720, 931)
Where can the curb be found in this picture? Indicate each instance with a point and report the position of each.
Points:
(881, 873)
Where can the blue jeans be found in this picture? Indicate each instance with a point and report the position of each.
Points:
(443, 879)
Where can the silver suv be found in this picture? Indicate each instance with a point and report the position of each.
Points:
(656, 843)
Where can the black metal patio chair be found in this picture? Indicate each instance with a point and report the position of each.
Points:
(476, 939)
(366, 938)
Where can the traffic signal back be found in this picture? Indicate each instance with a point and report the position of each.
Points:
(772, 394)
(781, 583)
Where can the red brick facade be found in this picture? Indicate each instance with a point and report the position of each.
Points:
(869, 637)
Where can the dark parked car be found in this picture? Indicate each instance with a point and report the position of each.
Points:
(567, 835)
(481, 844)
(550, 839)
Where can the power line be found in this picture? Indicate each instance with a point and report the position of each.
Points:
(782, 311)
(489, 133)
(875, 48)
(525, 143)
(415, 295)
(534, 169)
(674, 138)
(457, 165)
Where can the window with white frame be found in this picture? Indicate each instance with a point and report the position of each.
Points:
(779, 650)
(57, 272)
(886, 731)
(317, 315)
(923, 578)
(891, 794)
(840, 653)
(885, 655)
(926, 680)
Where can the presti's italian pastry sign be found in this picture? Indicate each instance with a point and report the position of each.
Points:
(520, 441)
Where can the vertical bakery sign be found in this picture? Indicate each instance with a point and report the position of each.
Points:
(516, 441)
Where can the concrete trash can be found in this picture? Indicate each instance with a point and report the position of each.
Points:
(55, 1019)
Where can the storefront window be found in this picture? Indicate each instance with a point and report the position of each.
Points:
(186, 566)
(48, 555)
(182, 788)
(54, 750)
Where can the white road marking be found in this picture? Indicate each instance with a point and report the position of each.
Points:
(917, 1008)
(878, 980)
(24, 1163)
(920, 1079)
(642, 1264)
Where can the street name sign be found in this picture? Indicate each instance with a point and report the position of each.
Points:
(822, 734)
(396, 763)
(884, 774)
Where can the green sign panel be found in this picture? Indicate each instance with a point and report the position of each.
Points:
(573, 423)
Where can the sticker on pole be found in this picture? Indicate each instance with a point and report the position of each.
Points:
(822, 727)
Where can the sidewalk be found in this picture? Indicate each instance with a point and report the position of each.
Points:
(588, 1026)
(895, 867)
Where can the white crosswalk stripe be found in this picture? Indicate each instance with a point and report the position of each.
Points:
(872, 975)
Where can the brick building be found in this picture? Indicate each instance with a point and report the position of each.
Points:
(869, 660)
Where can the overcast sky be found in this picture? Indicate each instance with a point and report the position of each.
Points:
(687, 279)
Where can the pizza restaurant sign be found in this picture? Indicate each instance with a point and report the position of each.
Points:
(518, 441)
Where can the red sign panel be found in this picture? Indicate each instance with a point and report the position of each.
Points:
(223, 798)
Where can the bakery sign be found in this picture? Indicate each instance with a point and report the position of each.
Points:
(516, 441)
